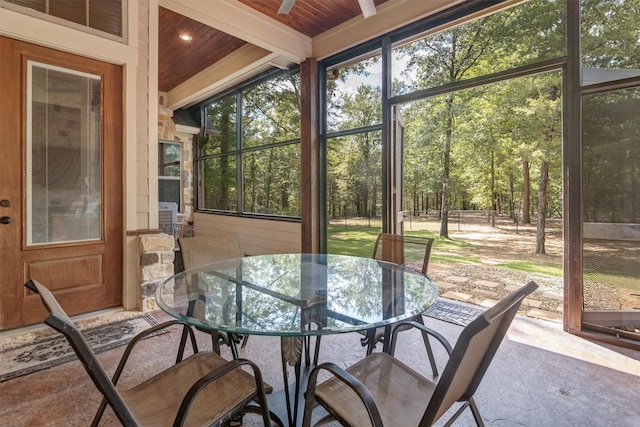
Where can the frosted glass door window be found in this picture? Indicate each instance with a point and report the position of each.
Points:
(64, 155)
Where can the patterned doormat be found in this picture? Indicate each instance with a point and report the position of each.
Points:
(453, 312)
(54, 350)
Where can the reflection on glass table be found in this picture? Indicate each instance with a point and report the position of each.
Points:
(295, 297)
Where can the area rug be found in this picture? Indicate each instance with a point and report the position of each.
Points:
(453, 312)
(54, 350)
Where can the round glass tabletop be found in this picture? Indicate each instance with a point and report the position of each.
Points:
(296, 294)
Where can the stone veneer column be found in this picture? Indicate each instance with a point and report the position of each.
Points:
(156, 264)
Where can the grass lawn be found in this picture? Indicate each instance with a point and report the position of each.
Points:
(359, 240)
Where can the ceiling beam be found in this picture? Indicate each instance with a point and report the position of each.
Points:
(229, 71)
(390, 15)
(239, 20)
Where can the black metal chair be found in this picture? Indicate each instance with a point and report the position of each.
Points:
(202, 250)
(202, 389)
(380, 390)
(410, 251)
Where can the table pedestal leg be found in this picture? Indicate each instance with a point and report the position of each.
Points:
(291, 349)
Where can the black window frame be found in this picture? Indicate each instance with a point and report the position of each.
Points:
(239, 150)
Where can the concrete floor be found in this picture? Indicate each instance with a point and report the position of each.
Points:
(540, 376)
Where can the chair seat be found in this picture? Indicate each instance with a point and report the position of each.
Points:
(230, 392)
(383, 391)
(400, 393)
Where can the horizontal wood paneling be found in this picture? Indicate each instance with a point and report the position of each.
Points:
(179, 60)
(310, 17)
(259, 236)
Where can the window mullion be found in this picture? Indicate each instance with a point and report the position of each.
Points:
(238, 155)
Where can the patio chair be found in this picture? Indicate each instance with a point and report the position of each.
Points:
(380, 390)
(202, 389)
(410, 251)
(202, 250)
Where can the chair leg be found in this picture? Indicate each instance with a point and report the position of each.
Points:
(386, 339)
(233, 347)
(370, 341)
(227, 339)
(244, 341)
(317, 351)
(475, 412)
(183, 344)
(215, 341)
(427, 345)
(456, 414)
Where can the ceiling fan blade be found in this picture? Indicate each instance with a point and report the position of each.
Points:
(368, 8)
(286, 6)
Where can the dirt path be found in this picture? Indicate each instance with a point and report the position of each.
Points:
(501, 244)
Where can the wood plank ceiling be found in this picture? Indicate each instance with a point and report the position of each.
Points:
(178, 60)
(310, 17)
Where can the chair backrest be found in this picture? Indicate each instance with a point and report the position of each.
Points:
(406, 250)
(473, 353)
(202, 250)
(59, 321)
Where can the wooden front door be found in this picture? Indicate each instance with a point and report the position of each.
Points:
(61, 198)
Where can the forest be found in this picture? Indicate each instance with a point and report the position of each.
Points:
(494, 146)
(482, 109)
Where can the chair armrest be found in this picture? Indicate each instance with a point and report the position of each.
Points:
(412, 324)
(214, 375)
(186, 330)
(352, 382)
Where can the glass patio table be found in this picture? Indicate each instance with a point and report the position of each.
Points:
(296, 297)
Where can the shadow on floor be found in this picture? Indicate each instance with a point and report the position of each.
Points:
(541, 376)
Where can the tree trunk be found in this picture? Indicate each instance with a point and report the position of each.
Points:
(493, 189)
(444, 218)
(526, 193)
(512, 205)
(365, 198)
(267, 183)
(374, 198)
(284, 200)
(542, 207)
(254, 195)
(227, 143)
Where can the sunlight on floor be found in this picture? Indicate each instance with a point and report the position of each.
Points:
(550, 337)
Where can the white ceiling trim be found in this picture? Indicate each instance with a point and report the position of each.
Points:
(234, 68)
(241, 21)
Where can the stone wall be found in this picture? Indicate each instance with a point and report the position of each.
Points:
(156, 264)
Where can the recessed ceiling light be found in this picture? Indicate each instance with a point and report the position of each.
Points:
(186, 37)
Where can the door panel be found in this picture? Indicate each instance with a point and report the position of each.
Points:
(61, 170)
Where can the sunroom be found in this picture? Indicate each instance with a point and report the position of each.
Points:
(295, 129)
(453, 100)
(506, 131)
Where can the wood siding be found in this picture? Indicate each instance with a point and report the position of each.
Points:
(259, 236)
